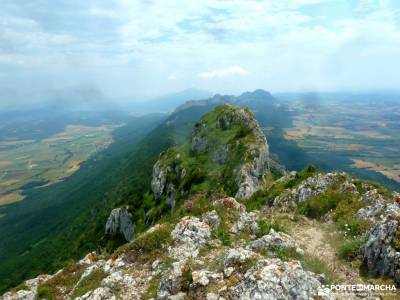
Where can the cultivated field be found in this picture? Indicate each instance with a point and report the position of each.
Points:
(364, 134)
(28, 164)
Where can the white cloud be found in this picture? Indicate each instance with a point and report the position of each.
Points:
(232, 70)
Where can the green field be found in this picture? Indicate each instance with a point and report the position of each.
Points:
(27, 164)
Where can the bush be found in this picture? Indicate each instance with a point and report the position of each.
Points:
(287, 253)
(347, 207)
(319, 205)
(317, 266)
(222, 234)
(350, 249)
(265, 228)
(354, 227)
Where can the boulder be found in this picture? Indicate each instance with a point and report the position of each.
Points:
(212, 219)
(272, 279)
(310, 187)
(275, 240)
(101, 293)
(379, 254)
(189, 235)
(120, 222)
(247, 222)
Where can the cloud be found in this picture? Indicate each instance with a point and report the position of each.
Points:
(172, 77)
(228, 71)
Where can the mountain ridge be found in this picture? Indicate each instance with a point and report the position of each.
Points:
(213, 246)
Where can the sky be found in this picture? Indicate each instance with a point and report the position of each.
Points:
(136, 49)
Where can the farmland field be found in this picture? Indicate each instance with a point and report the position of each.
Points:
(28, 164)
(360, 136)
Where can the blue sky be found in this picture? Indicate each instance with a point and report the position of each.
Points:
(143, 48)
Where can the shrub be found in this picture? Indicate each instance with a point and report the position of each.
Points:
(319, 205)
(317, 266)
(354, 227)
(350, 249)
(222, 234)
(265, 228)
(287, 253)
(347, 207)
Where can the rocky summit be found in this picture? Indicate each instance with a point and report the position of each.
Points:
(227, 152)
(231, 230)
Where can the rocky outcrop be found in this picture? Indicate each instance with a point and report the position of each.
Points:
(120, 222)
(311, 187)
(230, 142)
(381, 252)
(29, 291)
(189, 235)
(276, 279)
(247, 222)
(378, 252)
(275, 240)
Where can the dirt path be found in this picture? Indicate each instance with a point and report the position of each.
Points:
(314, 239)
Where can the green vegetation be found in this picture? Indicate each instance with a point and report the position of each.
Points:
(55, 218)
(318, 206)
(68, 278)
(212, 168)
(20, 287)
(89, 283)
(318, 266)
(287, 253)
(350, 249)
(265, 228)
(222, 234)
(151, 291)
(146, 245)
(264, 196)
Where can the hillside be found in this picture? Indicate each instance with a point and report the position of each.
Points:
(68, 219)
(225, 227)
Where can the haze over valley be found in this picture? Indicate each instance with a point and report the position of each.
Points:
(210, 150)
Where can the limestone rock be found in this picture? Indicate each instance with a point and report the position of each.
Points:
(247, 222)
(212, 219)
(189, 234)
(101, 293)
(274, 279)
(310, 187)
(120, 222)
(378, 252)
(275, 240)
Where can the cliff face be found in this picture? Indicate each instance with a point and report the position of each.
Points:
(227, 152)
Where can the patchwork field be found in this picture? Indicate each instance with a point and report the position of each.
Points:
(364, 134)
(28, 164)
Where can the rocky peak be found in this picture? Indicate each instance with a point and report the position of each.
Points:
(227, 152)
